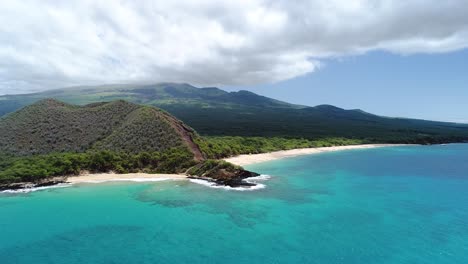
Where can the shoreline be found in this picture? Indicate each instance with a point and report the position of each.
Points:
(241, 160)
(114, 177)
(93, 178)
(249, 159)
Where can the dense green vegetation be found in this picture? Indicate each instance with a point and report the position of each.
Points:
(37, 167)
(316, 122)
(175, 160)
(214, 112)
(221, 147)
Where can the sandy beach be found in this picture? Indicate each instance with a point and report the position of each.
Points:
(241, 160)
(135, 177)
(248, 159)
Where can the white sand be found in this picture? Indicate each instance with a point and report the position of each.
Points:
(243, 160)
(135, 177)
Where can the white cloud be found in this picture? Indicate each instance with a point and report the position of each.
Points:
(47, 44)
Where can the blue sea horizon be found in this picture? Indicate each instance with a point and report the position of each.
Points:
(405, 204)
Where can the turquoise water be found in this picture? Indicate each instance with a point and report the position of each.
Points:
(388, 205)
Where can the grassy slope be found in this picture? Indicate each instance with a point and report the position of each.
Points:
(51, 126)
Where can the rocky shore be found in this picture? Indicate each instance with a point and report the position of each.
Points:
(36, 184)
(231, 178)
(221, 173)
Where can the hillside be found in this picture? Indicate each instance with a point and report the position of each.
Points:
(214, 112)
(42, 143)
(50, 126)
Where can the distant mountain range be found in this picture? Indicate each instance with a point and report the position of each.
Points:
(162, 94)
(214, 112)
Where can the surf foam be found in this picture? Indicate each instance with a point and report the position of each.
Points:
(253, 180)
(28, 190)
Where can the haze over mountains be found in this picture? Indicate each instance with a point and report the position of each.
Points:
(212, 111)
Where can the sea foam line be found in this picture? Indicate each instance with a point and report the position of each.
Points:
(63, 185)
(253, 180)
(33, 189)
(262, 177)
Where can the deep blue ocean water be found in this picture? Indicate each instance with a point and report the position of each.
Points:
(388, 205)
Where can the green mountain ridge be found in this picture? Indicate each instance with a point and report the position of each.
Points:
(214, 112)
(158, 95)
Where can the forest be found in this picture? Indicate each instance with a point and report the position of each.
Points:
(36, 167)
(227, 146)
(175, 160)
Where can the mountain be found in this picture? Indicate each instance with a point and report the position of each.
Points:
(44, 142)
(214, 112)
(50, 126)
(162, 94)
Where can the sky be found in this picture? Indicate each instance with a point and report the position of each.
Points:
(391, 57)
(425, 86)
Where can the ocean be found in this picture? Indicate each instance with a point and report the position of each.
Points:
(405, 204)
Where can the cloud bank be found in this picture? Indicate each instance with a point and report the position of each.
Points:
(47, 44)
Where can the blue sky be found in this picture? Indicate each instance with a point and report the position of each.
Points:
(428, 86)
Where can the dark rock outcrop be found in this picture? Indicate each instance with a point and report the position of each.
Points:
(222, 173)
(27, 185)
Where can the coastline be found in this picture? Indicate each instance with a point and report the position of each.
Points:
(241, 160)
(249, 159)
(112, 177)
(65, 181)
